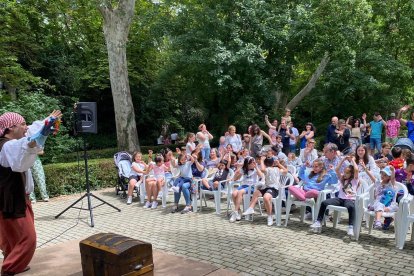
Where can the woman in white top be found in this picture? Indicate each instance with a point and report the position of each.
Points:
(233, 139)
(203, 137)
(308, 154)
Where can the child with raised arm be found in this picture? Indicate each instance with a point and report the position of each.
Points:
(183, 182)
(249, 175)
(384, 195)
(270, 189)
(348, 186)
(223, 169)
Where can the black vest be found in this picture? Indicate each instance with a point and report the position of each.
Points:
(12, 191)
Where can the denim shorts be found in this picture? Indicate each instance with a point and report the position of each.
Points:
(246, 188)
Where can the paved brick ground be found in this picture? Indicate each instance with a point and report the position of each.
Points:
(250, 248)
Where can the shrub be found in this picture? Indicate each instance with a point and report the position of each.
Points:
(69, 178)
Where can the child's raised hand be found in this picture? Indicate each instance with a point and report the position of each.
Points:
(263, 157)
(177, 150)
(364, 116)
(392, 169)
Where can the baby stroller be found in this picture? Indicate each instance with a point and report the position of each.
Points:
(123, 164)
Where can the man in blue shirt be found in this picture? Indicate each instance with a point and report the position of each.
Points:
(376, 131)
(408, 123)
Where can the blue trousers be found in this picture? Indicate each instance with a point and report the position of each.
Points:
(185, 184)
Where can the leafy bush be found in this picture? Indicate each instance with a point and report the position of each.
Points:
(37, 106)
(69, 178)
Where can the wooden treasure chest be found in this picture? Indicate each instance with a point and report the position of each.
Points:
(108, 254)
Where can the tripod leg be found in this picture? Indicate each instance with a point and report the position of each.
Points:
(90, 208)
(119, 210)
(73, 204)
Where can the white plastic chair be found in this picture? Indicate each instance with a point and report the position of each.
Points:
(196, 186)
(292, 170)
(407, 219)
(216, 193)
(285, 181)
(314, 205)
(367, 198)
(337, 210)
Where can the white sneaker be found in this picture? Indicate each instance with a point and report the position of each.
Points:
(269, 220)
(249, 211)
(308, 216)
(147, 204)
(233, 216)
(316, 224)
(129, 200)
(175, 189)
(351, 230)
(238, 216)
(316, 227)
(154, 205)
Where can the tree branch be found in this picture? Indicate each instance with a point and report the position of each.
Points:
(311, 84)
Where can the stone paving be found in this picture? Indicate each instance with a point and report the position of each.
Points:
(250, 248)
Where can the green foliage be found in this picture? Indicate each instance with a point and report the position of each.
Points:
(69, 178)
(37, 106)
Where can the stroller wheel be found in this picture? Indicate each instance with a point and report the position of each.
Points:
(124, 195)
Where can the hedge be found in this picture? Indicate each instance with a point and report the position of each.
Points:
(106, 153)
(69, 178)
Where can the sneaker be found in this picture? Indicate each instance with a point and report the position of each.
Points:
(34, 201)
(316, 224)
(46, 199)
(316, 227)
(154, 205)
(269, 220)
(238, 216)
(147, 205)
(175, 189)
(233, 216)
(308, 216)
(249, 211)
(377, 225)
(174, 209)
(387, 223)
(129, 200)
(187, 209)
(351, 230)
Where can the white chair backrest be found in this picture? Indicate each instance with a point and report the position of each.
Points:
(175, 171)
(291, 169)
(230, 176)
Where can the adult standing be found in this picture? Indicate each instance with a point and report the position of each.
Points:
(233, 139)
(40, 180)
(408, 123)
(306, 135)
(203, 138)
(17, 155)
(330, 132)
(294, 134)
(342, 136)
(376, 131)
(174, 137)
(392, 129)
(284, 132)
(272, 129)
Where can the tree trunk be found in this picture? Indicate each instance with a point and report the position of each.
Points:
(116, 28)
(311, 84)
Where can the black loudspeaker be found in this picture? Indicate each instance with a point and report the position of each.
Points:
(86, 117)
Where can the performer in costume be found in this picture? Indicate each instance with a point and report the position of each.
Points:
(17, 155)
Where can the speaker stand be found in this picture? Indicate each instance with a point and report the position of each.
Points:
(88, 193)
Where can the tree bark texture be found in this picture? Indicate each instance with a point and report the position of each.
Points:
(311, 84)
(116, 27)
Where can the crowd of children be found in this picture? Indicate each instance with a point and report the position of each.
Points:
(347, 160)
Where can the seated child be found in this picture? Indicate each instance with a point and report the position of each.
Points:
(384, 195)
(220, 175)
(348, 186)
(270, 188)
(398, 162)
